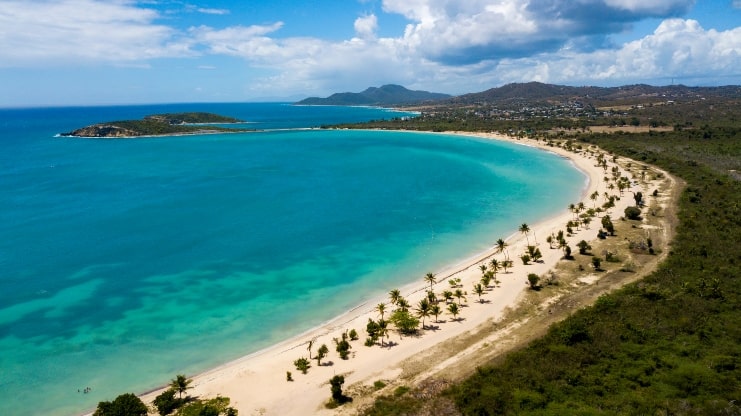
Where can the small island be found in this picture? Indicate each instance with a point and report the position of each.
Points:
(160, 125)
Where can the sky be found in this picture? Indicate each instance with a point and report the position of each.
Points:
(93, 52)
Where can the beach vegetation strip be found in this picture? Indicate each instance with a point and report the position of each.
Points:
(666, 343)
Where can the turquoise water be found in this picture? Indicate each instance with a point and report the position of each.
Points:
(124, 262)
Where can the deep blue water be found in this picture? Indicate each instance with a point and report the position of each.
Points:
(125, 262)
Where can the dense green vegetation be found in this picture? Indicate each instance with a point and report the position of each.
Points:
(192, 118)
(126, 404)
(167, 404)
(535, 109)
(665, 345)
(158, 125)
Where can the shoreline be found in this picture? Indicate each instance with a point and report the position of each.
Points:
(256, 383)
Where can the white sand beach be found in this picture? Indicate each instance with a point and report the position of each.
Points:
(256, 384)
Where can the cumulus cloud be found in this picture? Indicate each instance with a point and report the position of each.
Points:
(453, 32)
(365, 27)
(448, 45)
(71, 31)
(253, 44)
(678, 48)
(649, 7)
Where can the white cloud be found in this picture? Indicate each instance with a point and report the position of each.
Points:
(678, 48)
(191, 8)
(645, 6)
(253, 44)
(452, 31)
(71, 31)
(449, 46)
(212, 11)
(365, 27)
(442, 27)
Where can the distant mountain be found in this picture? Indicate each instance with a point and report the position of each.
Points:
(539, 93)
(383, 96)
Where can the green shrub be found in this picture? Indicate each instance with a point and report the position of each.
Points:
(302, 364)
(633, 213)
(124, 405)
(166, 402)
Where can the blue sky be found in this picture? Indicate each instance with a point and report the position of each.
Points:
(87, 52)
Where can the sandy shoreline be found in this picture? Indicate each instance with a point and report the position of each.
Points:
(257, 382)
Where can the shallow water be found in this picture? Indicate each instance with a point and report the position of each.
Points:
(124, 262)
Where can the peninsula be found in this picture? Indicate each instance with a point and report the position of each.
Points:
(159, 125)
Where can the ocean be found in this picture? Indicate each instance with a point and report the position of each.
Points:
(124, 262)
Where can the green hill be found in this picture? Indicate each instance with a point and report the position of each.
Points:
(158, 125)
(382, 96)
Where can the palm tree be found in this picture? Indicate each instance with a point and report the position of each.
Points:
(431, 297)
(502, 248)
(562, 244)
(482, 268)
(507, 264)
(423, 310)
(382, 330)
(621, 187)
(180, 384)
(586, 222)
(525, 230)
(394, 295)
(448, 296)
(459, 294)
(311, 344)
(495, 265)
(534, 253)
(381, 308)
(454, 310)
(572, 208)
(479, 290)
(402, 304)
(435, 310)
(486, 279)
(594, 197)
(429, 277)
(321, 353)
